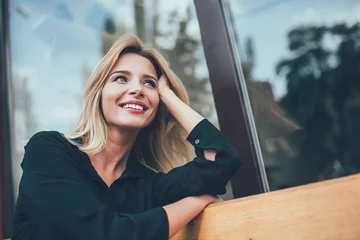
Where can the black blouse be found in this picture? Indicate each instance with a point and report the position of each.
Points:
(61, 196)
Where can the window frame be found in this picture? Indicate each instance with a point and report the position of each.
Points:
(6, 188)
(228, 85)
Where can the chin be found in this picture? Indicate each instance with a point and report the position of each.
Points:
(133, 124)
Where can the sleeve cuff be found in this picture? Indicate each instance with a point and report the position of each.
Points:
(205, 136)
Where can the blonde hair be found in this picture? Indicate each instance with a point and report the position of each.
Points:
(160, 146)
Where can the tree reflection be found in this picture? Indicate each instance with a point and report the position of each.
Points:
(323, 88)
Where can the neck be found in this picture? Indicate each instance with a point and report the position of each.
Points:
(113, 158)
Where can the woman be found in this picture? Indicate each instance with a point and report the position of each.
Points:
(110, 178)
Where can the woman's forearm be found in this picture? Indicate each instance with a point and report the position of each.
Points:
(182, 212)
(185, 115)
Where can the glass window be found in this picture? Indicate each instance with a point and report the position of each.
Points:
(301, 62)
(55, 45)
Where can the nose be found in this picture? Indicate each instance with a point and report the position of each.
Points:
(135, 89)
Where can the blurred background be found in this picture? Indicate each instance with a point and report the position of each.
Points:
(300, 60)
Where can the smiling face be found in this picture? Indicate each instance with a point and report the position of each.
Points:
(130, 97)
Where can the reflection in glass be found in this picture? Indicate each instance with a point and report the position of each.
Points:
(55, 45)
(301, 61)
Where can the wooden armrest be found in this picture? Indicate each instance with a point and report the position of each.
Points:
(328, 210)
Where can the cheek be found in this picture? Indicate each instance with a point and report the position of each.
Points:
(107, 102)
(111, 93)
(104, 100)
(104, 107)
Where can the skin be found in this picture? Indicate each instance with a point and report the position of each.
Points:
(133, 77)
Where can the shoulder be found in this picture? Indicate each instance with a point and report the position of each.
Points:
(46, 135)
(44, 138)
(47, 145)
(48, 142)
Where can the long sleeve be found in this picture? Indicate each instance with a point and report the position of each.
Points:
(200, 176)
(56, 188)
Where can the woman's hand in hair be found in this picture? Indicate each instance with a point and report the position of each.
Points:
(184, 114)
(163, 86)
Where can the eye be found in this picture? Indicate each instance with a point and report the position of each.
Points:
(150, 83)
(120, 79)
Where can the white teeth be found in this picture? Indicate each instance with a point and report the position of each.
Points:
(134, 106)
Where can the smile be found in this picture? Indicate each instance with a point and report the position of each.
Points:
(133, 106)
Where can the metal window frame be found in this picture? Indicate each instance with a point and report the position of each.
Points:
(229, 90)
(6, 187)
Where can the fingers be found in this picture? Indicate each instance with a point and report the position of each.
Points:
(163, 77)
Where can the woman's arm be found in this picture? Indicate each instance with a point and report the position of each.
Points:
(185, 115)
(200, 176)
(182, 212)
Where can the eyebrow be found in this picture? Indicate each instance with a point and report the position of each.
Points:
(129, 73)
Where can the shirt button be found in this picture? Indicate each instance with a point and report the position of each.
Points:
(197, 141)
